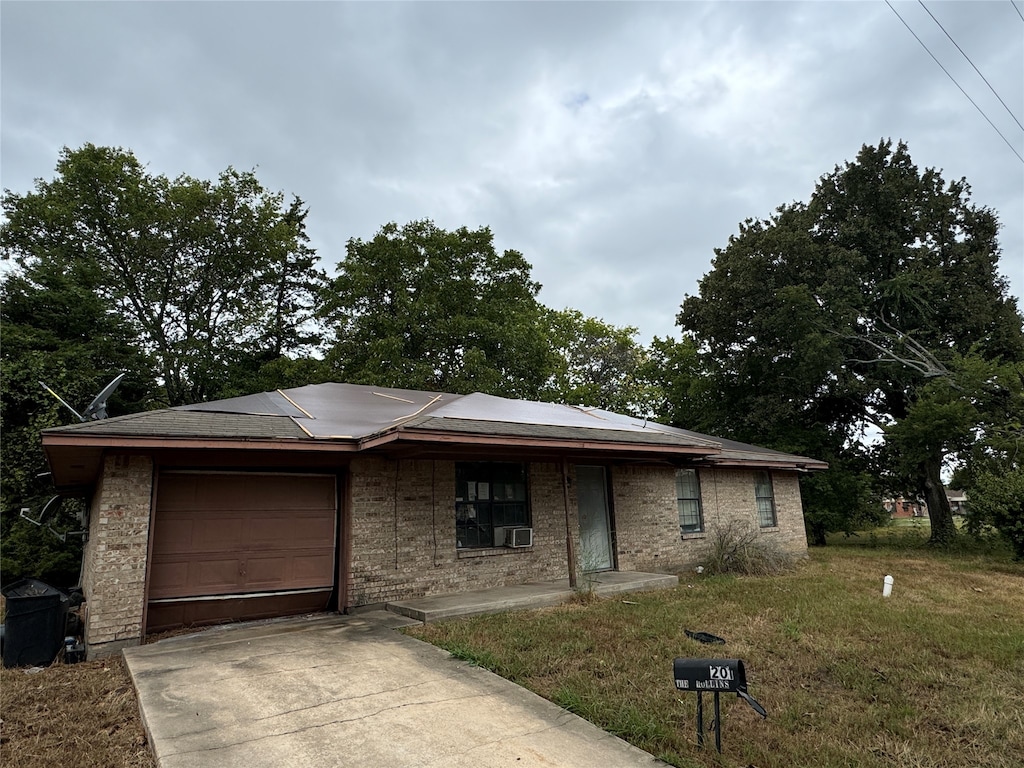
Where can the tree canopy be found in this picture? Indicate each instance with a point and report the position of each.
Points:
(871, 307)
(424, 308)
(596, 364)
(208, 275)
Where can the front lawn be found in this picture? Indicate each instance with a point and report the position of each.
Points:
(931, 676)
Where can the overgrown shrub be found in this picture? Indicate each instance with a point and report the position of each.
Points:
(741, 549)
(998, 500)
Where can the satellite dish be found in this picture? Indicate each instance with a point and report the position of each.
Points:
(50, 509)
(97, 409)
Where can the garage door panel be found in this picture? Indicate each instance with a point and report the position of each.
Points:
(232, 534)
(163, 616)
(179, 494)
(216, 533)
(220, 575)
(168, 578)
(172, 536)
(297, 532)
(312, 567)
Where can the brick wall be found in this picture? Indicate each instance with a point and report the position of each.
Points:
(403, 532)
(403, 537)
(727, 496)
(403, 515)
(114, 574)
(647, 521)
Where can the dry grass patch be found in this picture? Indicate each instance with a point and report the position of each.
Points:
(79, 714)
(929, 677)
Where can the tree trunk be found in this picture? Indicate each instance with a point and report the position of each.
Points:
(943, 529)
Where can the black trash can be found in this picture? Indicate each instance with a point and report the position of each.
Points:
(34, 626)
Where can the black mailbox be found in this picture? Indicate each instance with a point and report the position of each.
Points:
(710, 675)
(714, 676)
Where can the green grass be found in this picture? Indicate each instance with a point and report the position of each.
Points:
(929, 677)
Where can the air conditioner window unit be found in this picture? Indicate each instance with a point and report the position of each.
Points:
(519, 537)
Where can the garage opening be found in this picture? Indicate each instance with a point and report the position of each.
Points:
(232, 546)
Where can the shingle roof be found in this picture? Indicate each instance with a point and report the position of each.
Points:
(554, 432)
(354, 413)
(179, 423)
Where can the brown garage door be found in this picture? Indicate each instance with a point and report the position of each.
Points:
(230, 546)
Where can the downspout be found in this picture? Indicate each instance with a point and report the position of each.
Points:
(569, 548)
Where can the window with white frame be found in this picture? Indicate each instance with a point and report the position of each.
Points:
(488, 495)
(765, 495)
(691, 516)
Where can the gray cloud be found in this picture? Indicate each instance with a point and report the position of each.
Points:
(614, 144)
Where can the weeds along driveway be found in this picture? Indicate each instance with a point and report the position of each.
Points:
(348, 691)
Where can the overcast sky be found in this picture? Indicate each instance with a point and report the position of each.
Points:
(616, 145)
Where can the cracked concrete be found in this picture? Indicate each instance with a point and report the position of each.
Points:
(348, 691)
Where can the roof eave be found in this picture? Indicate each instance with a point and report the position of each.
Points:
(514, 441)
(801, 465)
(142, 442)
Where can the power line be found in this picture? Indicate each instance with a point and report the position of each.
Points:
(972, 64)
(1017, 10)
(980, 111)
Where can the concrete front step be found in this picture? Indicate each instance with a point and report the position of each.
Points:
(538, 594)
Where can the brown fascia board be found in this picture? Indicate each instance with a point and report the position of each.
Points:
(511, 441)
(799, 464)
(132, 442)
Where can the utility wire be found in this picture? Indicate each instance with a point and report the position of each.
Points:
(1017, 10)
(980, 111)
(972, 64)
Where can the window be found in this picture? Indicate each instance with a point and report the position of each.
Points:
(691, 517)
(765, 496)
(488, 495)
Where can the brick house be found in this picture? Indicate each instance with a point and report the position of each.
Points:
(336, 496)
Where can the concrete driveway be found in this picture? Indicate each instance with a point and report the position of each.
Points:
(348, 691)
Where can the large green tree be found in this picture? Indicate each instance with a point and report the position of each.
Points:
(55, 329)
(596, 364)
(424, 308)
(213, 278)
(868, 308)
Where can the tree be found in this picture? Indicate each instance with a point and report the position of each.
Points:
(864, 308)
(424, 308)
(993, 473)
(596, 364)
(679, 388)
(207, 274)
(998, 500)
(55, 329)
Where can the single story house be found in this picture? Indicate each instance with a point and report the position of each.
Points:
(336, 496)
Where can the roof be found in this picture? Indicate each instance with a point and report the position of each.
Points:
(350, 417)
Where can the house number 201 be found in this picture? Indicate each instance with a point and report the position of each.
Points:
(720, 673)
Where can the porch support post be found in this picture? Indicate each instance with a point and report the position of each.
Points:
(569, 548)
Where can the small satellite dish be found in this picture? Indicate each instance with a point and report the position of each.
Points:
(50, 509)
(97, 409)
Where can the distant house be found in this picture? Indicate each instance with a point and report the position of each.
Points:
(335, 496)
(901, 508)
(957, 501)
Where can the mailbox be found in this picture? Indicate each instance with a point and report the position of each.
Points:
(714, 676)
(710, 675)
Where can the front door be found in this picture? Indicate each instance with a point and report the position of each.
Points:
(595, 528)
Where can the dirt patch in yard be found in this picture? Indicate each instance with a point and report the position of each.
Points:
(72, 714)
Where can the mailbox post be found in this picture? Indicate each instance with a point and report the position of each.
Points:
(717, 676)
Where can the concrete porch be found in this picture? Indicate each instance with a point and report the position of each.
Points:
(537, 594)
